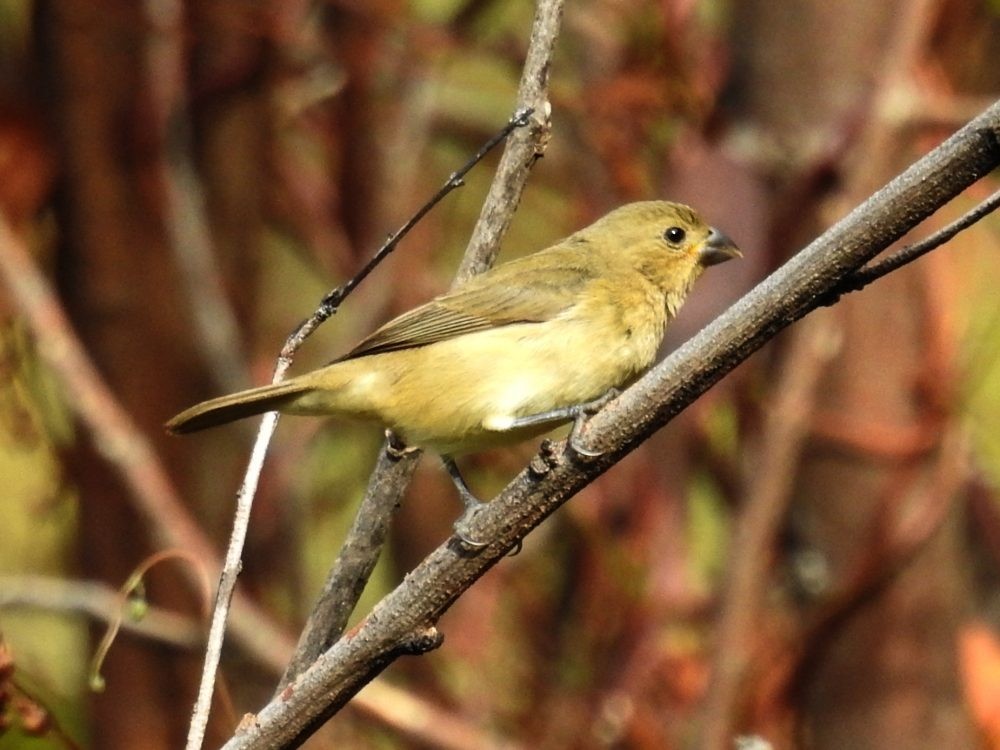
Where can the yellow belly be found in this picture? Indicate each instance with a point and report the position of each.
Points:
(463, 394)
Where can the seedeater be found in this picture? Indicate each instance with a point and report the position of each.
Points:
(513, 352)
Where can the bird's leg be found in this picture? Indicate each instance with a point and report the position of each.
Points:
(592, 407)
(577, 412)
(472, 504)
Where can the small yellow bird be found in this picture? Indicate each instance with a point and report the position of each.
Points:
(513, 352)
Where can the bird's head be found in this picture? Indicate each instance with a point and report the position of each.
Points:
(668, 242)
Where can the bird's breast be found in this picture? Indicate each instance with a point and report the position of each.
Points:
(466, 392)
(626, 321)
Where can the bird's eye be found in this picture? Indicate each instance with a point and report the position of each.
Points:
(675, 235)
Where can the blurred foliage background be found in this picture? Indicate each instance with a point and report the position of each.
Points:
(193, 176)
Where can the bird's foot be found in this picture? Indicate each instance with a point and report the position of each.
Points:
(577, 412)
(580, 422)
(473, 506)
(464, 521)
(574, 438)
(462, 525)
(396, 448)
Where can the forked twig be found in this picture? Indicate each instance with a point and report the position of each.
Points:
(332, 301)
(865, 276)
(362, 545)
(244, 497)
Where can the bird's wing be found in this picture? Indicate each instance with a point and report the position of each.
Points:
(508, 294)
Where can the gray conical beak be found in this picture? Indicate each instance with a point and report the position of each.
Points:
(718, 248)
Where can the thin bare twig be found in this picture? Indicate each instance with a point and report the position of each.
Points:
(119, 441)
(403, 622)
(355, 562)
(332, 301)
(361, 549)
(244, 497)
(524, 149)
(100, 602)
(406, 714)
(135, 583)
(865, 276)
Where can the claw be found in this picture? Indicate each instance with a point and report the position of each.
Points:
(461, 530)
(473, 505)
(396, 448)
(581, 421)
(574, 439)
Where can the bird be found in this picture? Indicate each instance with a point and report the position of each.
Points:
(511, 353)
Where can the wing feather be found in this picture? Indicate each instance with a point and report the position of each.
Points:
(512, 293)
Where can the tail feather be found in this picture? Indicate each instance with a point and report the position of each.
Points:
(235, 406)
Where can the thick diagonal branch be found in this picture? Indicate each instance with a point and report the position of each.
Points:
(555, 475)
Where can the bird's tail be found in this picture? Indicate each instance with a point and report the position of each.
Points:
(235, 406)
